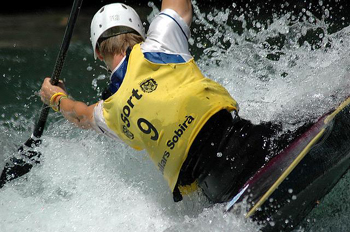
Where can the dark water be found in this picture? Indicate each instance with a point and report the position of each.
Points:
(284, 67)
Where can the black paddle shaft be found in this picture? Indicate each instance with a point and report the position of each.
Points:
(39, 127)
(18, 166)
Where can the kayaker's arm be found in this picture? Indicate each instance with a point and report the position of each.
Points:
(182, 7)
(74, 111)
(77, 112)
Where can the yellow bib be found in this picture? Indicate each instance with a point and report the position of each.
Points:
(162, 107)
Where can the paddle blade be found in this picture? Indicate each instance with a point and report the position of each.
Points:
(20, 165)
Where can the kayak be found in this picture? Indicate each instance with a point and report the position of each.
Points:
(282, 193)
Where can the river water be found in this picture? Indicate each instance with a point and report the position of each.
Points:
(289, 67)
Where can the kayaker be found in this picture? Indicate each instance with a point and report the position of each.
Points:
(159, 100)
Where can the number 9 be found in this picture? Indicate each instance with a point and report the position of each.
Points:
(147, 127)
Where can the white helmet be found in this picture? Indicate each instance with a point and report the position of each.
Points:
(114, 19)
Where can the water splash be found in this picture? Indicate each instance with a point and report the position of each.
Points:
(274, 70)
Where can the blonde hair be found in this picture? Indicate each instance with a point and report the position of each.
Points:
(118, 44)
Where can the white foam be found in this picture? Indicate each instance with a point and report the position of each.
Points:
(88, 183)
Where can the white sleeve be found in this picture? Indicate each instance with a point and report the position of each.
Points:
(168, 33)
(100, 124)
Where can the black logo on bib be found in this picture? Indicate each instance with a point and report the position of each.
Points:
(148, 85)
(127, 132)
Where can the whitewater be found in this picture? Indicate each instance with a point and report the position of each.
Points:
(87, 182)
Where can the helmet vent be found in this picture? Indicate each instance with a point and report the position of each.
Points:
(124, 7)
(102, 9)
(130, 20)
(100, 25)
